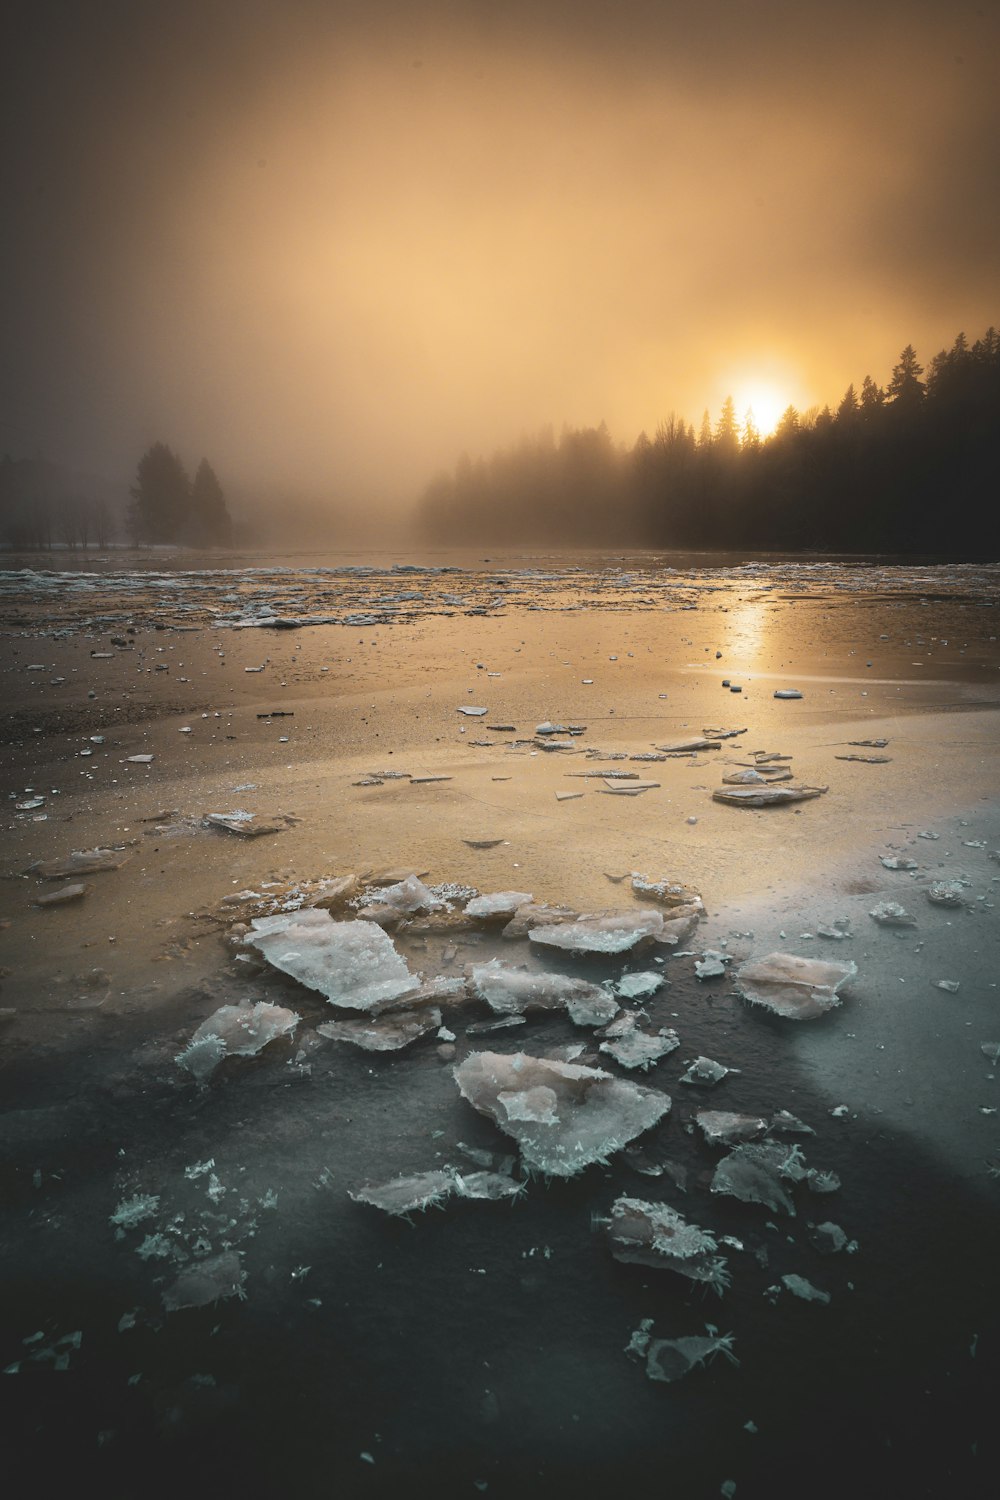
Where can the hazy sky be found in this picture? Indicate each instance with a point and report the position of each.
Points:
(333, 245)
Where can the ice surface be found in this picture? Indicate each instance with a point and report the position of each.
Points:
(799, 988)
(422, 1190)
(354, 964)
(756, 1173)
(206, 1281)
(595, 1114)
(388, 1032)
(511, 991)
(671, 1359)
(601, 932)
(704, 1070)
(240, 1030)
(634, 1048)
(498, 904)
(721, 1127)
(653, 1234)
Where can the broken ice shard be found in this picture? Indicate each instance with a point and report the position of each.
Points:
(422, 1190)
(756, 1173)
(766, 796)
(563, 1116)
(240, 1030)
(388, 1032)
(354, 964)
(799, 988)
(497, 905)
(653, 1234)
(639, 986)
(634, 1048)
(721, 1127)
(704, 1070)
(206, 1281)
(602, 932)
(891, 914)
(511, 991)
(800, 1287)
(670, 1359)
(945, 892)
(81, 862)
(401, 900)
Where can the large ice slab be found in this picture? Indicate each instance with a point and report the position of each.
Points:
(562, 1115)
(354, 964)
(601, 932)
(511, 991)
(798, 988)
(240, 1030)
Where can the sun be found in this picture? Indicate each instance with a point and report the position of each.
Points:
(765, 400)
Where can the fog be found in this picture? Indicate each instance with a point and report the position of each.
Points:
(332, 247)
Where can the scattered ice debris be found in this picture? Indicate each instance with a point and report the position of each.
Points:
(206, 1282)
(946, 892)
(388, 1032)
(653, 1234)
(354, 964)
(990, 1050)
(639, 986)
(798, 988)
(928, 833)
(838, 929)
(897, 862)
(132, 1211)
(564, 1116)
(789, 1124)
(497, 905)
(766, 796)
(246, 824)
(705, 1071)
(787, 693)
(712, 964)
(602, 932)
(891, 914)
(472, 713)
(422, 1190)
(240, 1030)
(671, 1359)
(951, 985)
(63, 895)
(756, 1173)
(81, 862)
(30, 804)
(634, 1048)
(720, 1127)
(800, 1287)
(56, 1352)
(512, 991)
(403, 899)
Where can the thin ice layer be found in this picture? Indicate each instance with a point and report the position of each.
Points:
(562, 1115)
(799, 988)
(354, 964)
(601, 932)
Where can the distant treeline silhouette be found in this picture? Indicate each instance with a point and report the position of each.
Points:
(908, 469)
(168, 506)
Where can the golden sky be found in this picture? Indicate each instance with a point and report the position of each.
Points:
(333, 245)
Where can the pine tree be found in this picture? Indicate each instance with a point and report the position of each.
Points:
(210, 522)
(161, 497)
(906, 389)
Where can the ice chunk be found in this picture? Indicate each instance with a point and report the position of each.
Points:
(388, 1032)
(950, 985)
(246, 824)
(207, 1281)
(946, 892)
(789, 1124)
(81, 862)
(755, 1174)
(896, 862)
(990, 1050)
(787, 693)
(799, 988)
(422, 1190)
(712, 964)
(601, 932)
(669, 893)
(512, 991)
(63, 895)
(891, 914)
(705, 1071)
(403, 899)
(594, 1113)
(472, 713)
(639, 986)
(354, 964)
(132, 1211)
(800, 1287)
(536, 914)
(634, 1048)
(653, 1234)
(499, 905)
(240, 1030)
(689, 746)
(721, 1127)
(766, 796)
(827, 1238)
(671, 1359)
(757, 775)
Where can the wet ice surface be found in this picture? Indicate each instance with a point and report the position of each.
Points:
(256, 1328)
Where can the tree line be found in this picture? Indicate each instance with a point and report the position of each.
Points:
(168, 506)
(909, 468)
